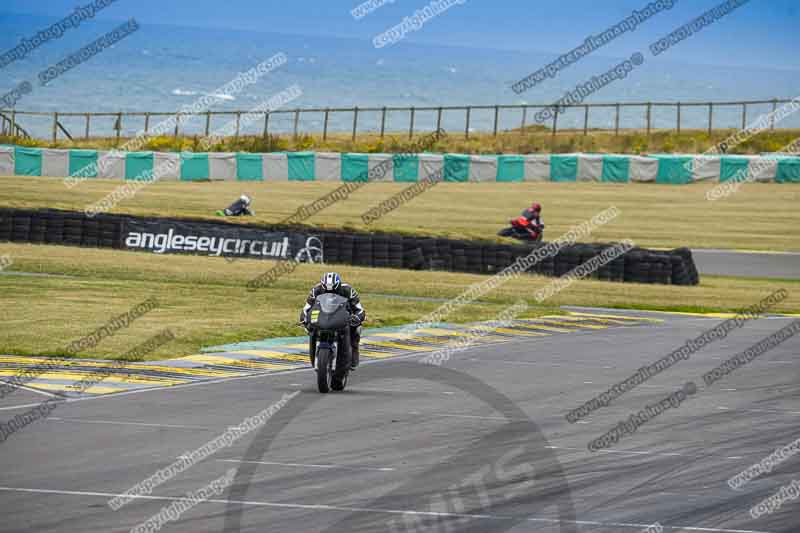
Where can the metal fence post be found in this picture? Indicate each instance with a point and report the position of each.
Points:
(679, 118)
(355, 122)
(146, 123)
(466, 126)
(744, 116)
(439, 120)
(238, 122)
(411, 124)
(86, 132)
(118, 126)
(555, 123)
(177, 123)
(524, 119)
(585, 120)
(296, 123)
(208, 122)
(710, 118)
(496, 118)
(55, 126)
(325, 125)
(772, 117)
(383, 121)
(13, 123)
(616, 121)
(266, 124)
(649, 118)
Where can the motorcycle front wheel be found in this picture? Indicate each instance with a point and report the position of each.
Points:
(324, 362)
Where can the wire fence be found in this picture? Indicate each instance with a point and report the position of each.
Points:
(382, 121)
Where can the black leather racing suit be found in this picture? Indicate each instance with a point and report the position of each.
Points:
(356, 310)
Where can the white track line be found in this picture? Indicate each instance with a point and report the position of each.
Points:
(301, 465)
(322, 507)
(122, 423)
(461, 416)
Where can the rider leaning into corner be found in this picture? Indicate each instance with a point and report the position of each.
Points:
(527, 226)
(332, 283)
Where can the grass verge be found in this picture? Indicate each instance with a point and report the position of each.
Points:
(761, 216)
(204, 302)
(533, 139)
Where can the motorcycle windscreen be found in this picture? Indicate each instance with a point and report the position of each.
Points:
(330, 312)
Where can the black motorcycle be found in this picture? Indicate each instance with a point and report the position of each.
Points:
(329, 327)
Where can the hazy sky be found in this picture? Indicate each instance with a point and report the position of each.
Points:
(763, 32)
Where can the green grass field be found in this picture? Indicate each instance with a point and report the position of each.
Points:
(758, 217)
(203, 300)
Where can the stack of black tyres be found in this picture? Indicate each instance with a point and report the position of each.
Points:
(380, 251)
(38, 228)
(331, 247)
(473, 255)
(412, 253)
(459, 251)
(444, 255)
(395, 251)
(6, 222)
(55, 231)
(363, 250)
(431, 260)
(21, 228)
(347, 249)
(684, 272)
(73, 230)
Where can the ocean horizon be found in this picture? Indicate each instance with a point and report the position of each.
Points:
(162, 68)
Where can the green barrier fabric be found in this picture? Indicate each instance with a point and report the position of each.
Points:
(355, 167)
(563, 168)
(80, 159)
(510, 168)
(456, 167)
(616, 169)
(27, 161)
(194, 167)
(406, 168)
(301, 166)
(249, 167)
(731, 166)
(138, 165)
(788, 171)
(673, 170)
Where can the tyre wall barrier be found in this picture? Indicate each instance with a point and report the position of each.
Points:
(638, 265)
(379, 250)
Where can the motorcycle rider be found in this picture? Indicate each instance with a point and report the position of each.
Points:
(534, 213)
(331, 282)
(241, 207)
(534, 216)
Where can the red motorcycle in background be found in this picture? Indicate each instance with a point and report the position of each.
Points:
(523, 229)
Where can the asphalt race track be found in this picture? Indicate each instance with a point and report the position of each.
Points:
(478, 444)
(748, 264)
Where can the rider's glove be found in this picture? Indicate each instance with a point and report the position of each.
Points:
(355, 321)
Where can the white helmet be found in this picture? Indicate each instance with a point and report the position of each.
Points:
(245, 199)
(331, 281)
